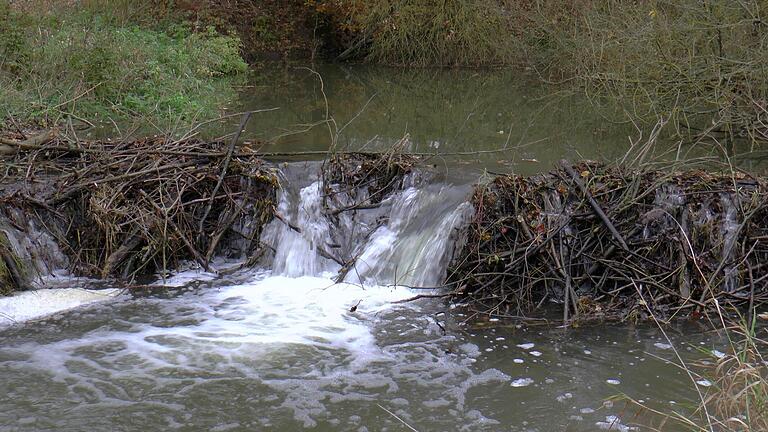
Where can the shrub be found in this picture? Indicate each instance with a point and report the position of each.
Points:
(702, 64)
(14, 50)
(420, 32)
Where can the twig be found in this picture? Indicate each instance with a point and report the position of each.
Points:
(595, 206)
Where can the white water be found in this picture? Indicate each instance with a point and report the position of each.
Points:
(296, 340)
(28, 305)
(729, 232)
(289, 349)
(280, 353)
(415, 247)
(37, 250)
(408, 240)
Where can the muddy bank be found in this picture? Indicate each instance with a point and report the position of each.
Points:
(615, 242)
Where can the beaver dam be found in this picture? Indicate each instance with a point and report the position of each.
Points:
(234, 289)
(605, 241)
(599, 241)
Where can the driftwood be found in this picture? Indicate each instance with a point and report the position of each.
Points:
(9, 147)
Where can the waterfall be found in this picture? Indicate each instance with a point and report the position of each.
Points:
(415, 247)
(299, 233)
(406, 240)
(729, 232)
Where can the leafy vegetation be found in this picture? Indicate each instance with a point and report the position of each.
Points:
(85, 65)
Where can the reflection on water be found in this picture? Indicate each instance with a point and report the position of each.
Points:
(499, 120)
(442, 111)
(276, 353)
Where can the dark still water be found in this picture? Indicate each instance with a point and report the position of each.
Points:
(440, 112)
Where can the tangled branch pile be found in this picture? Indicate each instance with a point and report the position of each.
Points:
(377, 174)
(130, 208)
(607, 242)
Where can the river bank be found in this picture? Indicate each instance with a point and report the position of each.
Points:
(696, 66)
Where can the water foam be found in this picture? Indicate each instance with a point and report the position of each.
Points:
(23, 306)
(300, 345)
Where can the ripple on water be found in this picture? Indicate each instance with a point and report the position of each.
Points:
(279, 353)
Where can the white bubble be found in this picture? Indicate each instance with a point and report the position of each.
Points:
(521, 382)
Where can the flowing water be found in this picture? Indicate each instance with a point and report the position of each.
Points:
(269, 352)
(284, 347)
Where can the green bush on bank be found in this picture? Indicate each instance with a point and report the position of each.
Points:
(81, 64)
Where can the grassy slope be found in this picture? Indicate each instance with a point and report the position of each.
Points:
(91, 63)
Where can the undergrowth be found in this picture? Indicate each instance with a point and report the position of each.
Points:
(89, 65)
(436, 32)
(703, 65)
(419, 32)
(739, 400)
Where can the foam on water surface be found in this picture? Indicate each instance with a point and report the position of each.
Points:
(288, 349)
(274, 352)
(28, 305)
(297, 346)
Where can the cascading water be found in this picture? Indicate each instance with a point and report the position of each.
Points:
(729, 231)
(407, 240)
(38, 253)
(415, 246)
(297, 245)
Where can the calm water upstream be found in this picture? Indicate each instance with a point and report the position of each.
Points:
(441, 111)
(288, 349)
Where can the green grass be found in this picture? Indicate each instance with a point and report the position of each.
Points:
(88, 65)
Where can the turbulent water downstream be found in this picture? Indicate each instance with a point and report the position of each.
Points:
(269, 352)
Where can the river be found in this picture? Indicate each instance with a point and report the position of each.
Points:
(286, 348)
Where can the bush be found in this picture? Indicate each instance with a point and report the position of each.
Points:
(420, 32)
(14, 51)
(704, 65)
